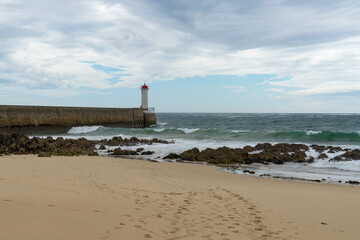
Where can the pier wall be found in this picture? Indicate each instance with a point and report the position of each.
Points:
(61, 119)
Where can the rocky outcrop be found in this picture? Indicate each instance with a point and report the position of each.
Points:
(348, 156)
(263, 153)
(21, 144)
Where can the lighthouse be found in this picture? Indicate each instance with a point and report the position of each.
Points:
(144, 97)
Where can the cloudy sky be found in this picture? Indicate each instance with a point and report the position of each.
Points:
(196, 56)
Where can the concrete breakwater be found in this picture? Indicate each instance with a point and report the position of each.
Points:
(33, 119)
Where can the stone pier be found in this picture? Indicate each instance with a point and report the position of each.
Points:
(45, 119)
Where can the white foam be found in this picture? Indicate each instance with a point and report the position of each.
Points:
(158, 129)
(83, 129)
(161, 123)
(188, 130)
(310, 132)
(353, 166)
(256, 152)
(240, 131)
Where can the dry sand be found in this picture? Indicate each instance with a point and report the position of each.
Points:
(105, 198)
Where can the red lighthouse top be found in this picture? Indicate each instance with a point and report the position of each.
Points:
(143, 87)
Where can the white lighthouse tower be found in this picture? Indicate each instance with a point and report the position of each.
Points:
(144, 97)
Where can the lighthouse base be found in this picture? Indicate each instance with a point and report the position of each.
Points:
(149, 118)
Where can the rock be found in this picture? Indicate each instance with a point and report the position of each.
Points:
(353, 182)
(311, 159)
(172, 156)
(278, 162)
(336, 159)
(248, 171)
(351, 155)
(299, 156)
(22, 150)
(44, 154)
(147, 153)
(248, 149)
(262, 146)
(265, 175)
(322, 156)
(318, 148)
(190, 155)
(117, 151)
(119, 141)
(140, 149)
(102, 147)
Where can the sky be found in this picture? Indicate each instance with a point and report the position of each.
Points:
(196, 56)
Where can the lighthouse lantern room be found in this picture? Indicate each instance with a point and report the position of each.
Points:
(144, 97)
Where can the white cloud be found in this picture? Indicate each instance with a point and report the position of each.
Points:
(276, 90)
(44, 44)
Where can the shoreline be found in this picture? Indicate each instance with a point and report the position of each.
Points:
(243, 169)
(107, 198)
(297, 164)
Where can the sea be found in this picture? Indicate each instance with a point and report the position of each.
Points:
(213, 130)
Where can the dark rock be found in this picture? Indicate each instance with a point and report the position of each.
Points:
(352, 155)
(318, 148)
(265, 175)
(102, 147)
(311, 159)
(262, 146)
(117, 151)
(248, 171)
(248, 149)
(190, 155)
(353, 182)
(336, 159)
(278, 162)
(322, 156)
(119, 141)
(129, 152)
(22, 150)
(172, 156)
(299, 156)
(140, 149)
(147, 153)
(44, 154)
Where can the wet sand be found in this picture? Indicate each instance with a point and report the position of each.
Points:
(110, 198)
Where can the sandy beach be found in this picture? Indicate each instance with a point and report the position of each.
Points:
(111, 198)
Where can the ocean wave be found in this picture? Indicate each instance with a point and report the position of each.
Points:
(342, 165)
(161, 123)
(240, 131)
(158, 129)
(188, 130)
(83, 129)
(310, 132)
